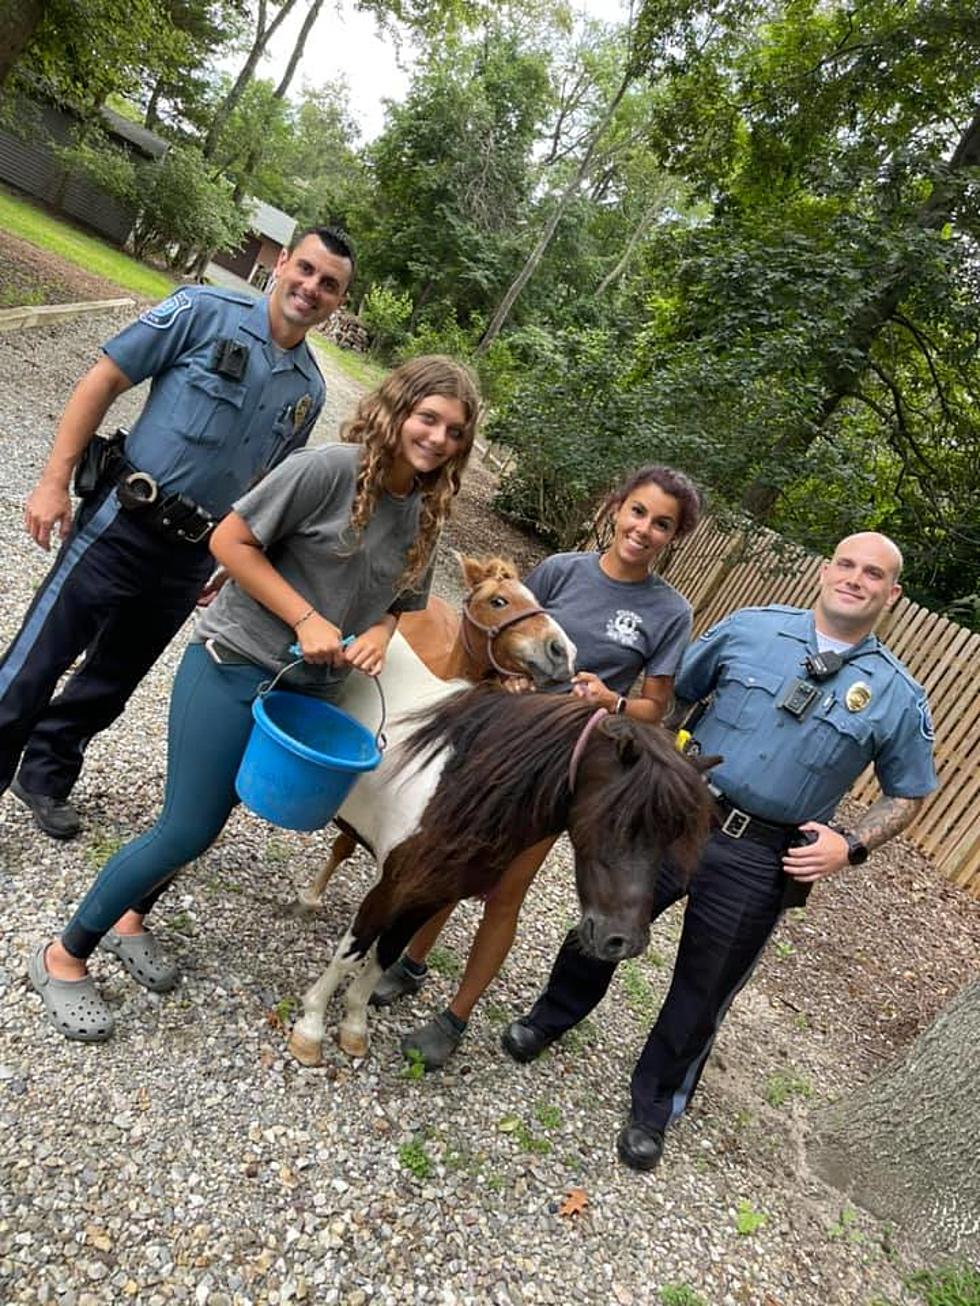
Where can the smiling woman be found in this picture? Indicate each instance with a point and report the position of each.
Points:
(627, 623)
(327, 551)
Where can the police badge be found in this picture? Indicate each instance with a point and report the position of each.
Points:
(300, 413)
(857, 697)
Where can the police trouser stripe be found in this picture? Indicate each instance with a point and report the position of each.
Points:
(48, 596)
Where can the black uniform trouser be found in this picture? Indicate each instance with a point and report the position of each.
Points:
(733, 903)
(119, 594)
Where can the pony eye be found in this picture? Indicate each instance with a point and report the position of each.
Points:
(498, 601)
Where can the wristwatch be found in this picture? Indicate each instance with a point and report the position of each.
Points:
(857, 852)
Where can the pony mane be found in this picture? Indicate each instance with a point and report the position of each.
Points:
(506, 783)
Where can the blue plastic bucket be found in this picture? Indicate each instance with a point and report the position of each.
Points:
(302, 759)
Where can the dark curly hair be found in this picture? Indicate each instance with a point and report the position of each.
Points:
(690, 501)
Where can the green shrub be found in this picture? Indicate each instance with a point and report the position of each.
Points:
(385, 312)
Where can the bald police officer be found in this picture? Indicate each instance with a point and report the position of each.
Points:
(235, 389)
(801, 701)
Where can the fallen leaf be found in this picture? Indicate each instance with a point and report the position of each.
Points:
(574, 1203)
(508, 1124)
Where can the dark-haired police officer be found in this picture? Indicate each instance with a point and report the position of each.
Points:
(235, 389)
(801, 701)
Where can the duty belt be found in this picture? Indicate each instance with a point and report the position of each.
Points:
(172, 515)
(743, 825)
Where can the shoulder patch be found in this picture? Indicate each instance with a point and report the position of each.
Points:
(926, 727)
(162, 316)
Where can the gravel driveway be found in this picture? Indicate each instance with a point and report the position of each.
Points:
(191, 1160)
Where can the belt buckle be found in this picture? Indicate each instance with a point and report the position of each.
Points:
(201, 535)
(735, 823)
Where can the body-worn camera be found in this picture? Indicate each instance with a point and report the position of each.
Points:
(798, 697)
(821, 666)
(229, 358)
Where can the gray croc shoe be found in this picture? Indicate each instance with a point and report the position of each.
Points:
(140, 954)
(74, 1007)
(397, 982)
(434, 1043)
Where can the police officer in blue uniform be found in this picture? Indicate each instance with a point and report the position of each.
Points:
(800, 702)
(235, 388)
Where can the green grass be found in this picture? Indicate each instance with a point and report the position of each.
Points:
(94, 256)
(679, 1294)
(359, 368)
(784, 1084)
(443, 961)
(949, 1287)
(748, 1219)
(415, 1159)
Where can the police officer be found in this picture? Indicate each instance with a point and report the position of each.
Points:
(801, 702)
(235, 388)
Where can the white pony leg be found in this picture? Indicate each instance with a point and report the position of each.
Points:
(353, 1033)
(307, 1036)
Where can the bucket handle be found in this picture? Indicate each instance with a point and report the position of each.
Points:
(267, 686)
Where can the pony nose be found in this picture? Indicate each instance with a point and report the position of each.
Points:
(558, 653)
(614, 947)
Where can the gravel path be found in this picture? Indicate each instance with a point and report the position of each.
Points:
(191, 1160)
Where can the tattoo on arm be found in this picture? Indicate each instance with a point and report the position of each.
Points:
(886, 818)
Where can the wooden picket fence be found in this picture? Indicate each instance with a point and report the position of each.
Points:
(720, 570)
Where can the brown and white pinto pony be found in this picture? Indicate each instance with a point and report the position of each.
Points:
(488, 774)
(499, 631)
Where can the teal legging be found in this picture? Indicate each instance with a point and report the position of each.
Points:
(210, 722)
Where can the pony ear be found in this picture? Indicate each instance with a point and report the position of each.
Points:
(476, 570)
(472, 569)
(627, 747)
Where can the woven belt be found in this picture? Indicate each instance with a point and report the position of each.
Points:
(743, 825)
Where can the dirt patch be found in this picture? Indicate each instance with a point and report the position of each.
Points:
(33, 276)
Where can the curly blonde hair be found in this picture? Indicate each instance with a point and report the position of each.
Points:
(377, 424)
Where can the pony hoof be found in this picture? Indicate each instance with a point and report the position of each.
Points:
(306, 1050)
(354, 1044)
(303, 907)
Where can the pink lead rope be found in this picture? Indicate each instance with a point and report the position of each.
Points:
(580, 743)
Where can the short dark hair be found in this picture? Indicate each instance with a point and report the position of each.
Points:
(333, 240)
(690, 501)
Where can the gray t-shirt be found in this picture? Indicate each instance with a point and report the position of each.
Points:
(300, 513)
(622, 629)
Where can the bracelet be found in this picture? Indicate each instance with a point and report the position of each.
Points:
(620, 708)
(308, 613)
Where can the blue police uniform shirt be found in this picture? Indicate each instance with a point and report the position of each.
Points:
(200, 433)
(790, 770)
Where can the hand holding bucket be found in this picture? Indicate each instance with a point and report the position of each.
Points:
(303, 755)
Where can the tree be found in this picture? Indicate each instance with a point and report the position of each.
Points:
(905, 1145)
(19, 20)
(452, 174)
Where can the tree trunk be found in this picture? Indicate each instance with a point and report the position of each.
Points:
(258, 147)
(566, 197)
(639, 231)
(905, 1145)
(263, 35)
(19, 21)
(840, 380)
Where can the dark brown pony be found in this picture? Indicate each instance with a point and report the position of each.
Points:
(497, 767)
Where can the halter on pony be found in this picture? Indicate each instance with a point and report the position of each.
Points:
(492, 632)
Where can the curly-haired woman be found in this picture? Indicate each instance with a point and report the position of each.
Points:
(338, 539)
